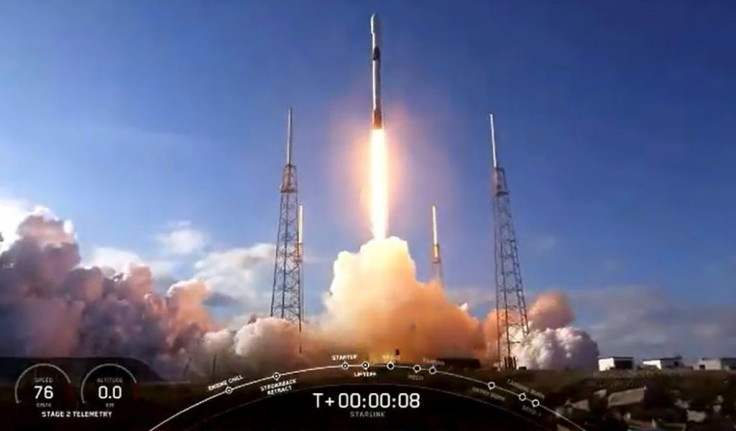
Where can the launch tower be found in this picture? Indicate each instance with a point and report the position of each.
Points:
(511, 317)
(287, 299)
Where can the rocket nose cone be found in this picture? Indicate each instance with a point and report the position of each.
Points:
(374, 23)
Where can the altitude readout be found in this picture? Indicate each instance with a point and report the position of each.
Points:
(108, 386)
(373, 400)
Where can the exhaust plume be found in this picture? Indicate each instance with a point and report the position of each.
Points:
(376, 300)
(551, 343)
(374, 307)
(379, 184)
(86, 313)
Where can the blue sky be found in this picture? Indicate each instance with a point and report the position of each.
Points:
(615, 124)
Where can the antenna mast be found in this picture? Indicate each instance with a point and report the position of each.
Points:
(511, 315)
(287, 299)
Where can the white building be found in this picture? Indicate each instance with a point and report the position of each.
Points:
(663, 363)
(616, 363)
(716, 364)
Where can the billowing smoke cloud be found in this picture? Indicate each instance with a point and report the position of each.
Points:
(262, 345)
(374, 307)
(551, 343)
(51, 307)
(376, 300)
(560, 349)
(45, 229)
(550, 310)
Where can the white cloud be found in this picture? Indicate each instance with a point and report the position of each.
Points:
(114, 258)
(244, 274)
(644, 321)
(162, 268)
(182, 239)
(18, 215)
(46, 229)
(41, 223)
(12, 212)
(119, 260)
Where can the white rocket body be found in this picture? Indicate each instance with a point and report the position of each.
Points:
(376, 73)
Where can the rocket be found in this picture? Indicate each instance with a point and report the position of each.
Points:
(435, 240)
(436, 260)
(376, 75)
(493, 144)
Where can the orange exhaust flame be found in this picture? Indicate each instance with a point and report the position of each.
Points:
(379, 184)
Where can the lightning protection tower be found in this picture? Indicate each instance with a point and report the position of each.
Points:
(286, 299)
(511, 316)
(436, 259)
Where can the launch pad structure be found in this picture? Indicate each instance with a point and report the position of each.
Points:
(287, 300)
(511, 315)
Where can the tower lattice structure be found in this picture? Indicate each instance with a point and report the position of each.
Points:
(287, 299)
(511, 315)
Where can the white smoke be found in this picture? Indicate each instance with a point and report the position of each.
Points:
(550, 310)
(268, 340)
(375, 307)
(45, 229)
(551, 343)
(49, 306)
(558, 349)
(376, 300)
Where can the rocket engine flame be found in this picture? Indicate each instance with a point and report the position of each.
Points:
(379, 184)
